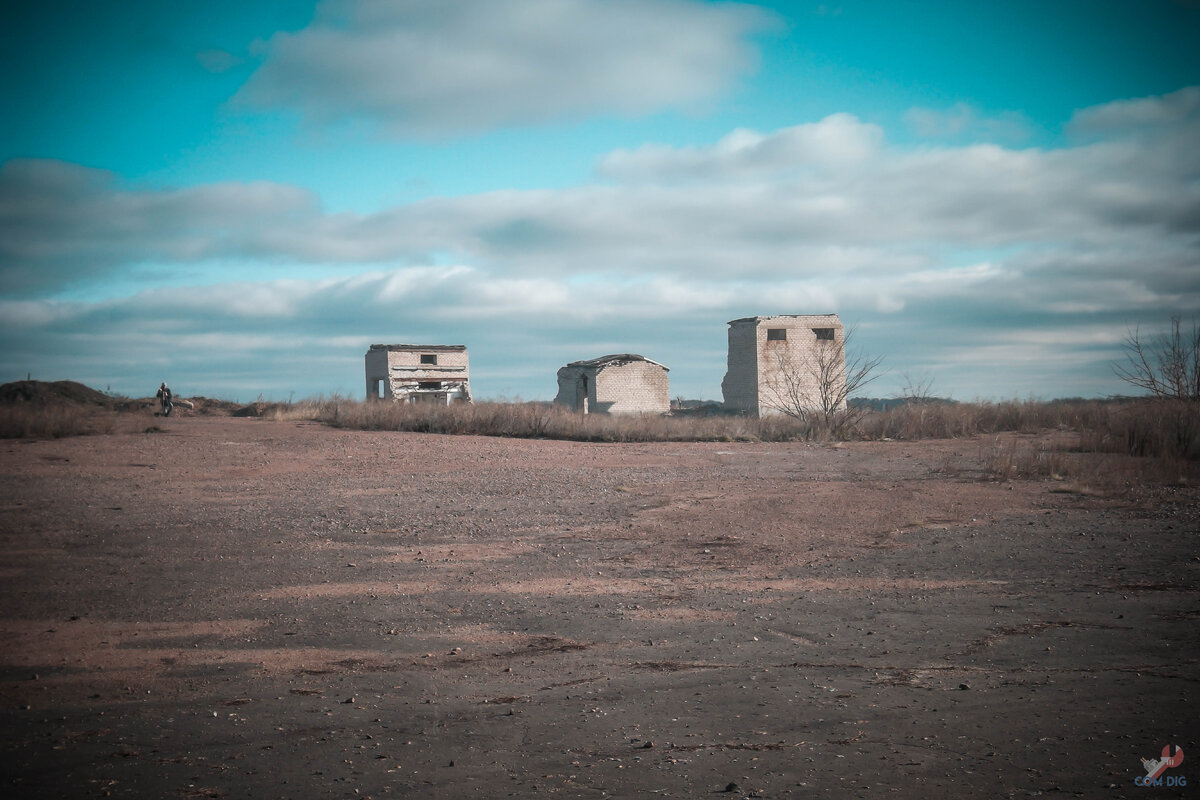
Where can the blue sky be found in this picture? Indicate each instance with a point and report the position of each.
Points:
(240, 198)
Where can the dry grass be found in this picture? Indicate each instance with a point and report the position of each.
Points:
(53, 421)
(540, 420)
(1087, 442)
(1154, 428)
(1158, 440)
(1008, 457)
(1141, 428)
(947, 420)
(1108, 443)
(1081, 472)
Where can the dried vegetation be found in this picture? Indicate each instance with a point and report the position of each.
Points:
(1137, 439)
(1072, 440)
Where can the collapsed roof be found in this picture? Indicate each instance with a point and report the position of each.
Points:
(615, 360)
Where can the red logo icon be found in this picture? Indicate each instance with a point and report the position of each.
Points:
(1157, 766)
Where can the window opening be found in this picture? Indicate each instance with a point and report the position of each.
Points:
(776, 334)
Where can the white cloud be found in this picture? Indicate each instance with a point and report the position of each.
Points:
(963, 121)
(833, 145)
(1181, 107)
(811, 202)
(826, 216)
(435, 67)
(826, 199)
(62, 223)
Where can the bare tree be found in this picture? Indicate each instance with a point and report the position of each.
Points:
(1166, 365)
(917, 389)
(818, 389)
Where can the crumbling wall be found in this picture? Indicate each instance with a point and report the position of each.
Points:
(378, 380)
(418, 373)
(617, 384)
(739, 388)
(576, 388)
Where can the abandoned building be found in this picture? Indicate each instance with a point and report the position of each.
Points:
(418, 373)
(785, 364)
(617, 384)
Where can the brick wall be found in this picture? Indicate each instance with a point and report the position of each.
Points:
(397, 371)
(631, 387)
(766, 374)
(790, 371)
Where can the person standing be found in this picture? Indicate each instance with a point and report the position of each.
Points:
(164, 399)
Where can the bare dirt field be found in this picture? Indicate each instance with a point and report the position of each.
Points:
(240, 608)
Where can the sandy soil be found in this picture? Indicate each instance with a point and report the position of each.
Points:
(233, 607)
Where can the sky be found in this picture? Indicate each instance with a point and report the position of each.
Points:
(239, 198)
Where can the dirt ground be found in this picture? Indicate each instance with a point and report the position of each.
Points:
(239, 608)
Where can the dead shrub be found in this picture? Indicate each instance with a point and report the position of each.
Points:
(545, 421)
(1006, 457)
(52, 421)
(1157, 440)
(1152, 428)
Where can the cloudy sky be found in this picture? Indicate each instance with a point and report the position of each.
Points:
(238, 198)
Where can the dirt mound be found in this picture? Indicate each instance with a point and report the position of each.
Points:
(198, 404)
(183, 405)
(207, 405)
(42, 392)
(255, 409)
(73, 392)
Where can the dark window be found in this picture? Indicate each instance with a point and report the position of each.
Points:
(429, 359)
(776, 334)
(824, 333)
(429, 385)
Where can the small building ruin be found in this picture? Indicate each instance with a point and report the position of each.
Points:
(791, 363)
(624, 383)
(418, 373)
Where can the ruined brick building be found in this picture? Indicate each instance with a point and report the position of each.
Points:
(616, 384)
(785, 364)
(418, 373)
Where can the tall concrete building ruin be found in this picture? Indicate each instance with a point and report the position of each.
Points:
(625, 383)
(418, 373)
(785, 364)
